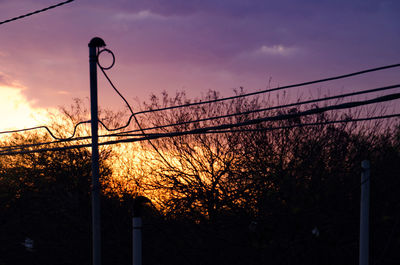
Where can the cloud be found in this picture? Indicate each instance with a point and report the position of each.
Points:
(141, 15)
(17, 111)
(276, 50)
(63, 92)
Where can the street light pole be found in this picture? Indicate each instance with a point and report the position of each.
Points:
(94, 44)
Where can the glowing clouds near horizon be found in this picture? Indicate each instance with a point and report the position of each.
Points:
(17, 111)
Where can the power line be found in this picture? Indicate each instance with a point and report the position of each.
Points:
(17, 147)
(274, 89)
(198, 103)
(267, 109)
(133, 115)
(307, 124)
(59, 140)
(121, 96)
(36, 12)
(130, 109)
(273, 118)
(160, 135)
(163, 135)
(48, 130)
(237, 96)
(9, 148)
(228, 126)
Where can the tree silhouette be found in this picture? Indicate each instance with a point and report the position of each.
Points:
(251, 195)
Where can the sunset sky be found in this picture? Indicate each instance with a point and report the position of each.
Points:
(189, 45)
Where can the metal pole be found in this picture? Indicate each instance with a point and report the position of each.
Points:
(137, 240)
(364, 213)
(96, 231)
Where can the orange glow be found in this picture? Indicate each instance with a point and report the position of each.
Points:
(17, 111)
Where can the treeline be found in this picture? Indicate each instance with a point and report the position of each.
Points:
(279, 192)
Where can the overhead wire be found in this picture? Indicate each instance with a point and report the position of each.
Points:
(229, 126)
(197, 103)
(133, 114)
(71, 138)
(307, 124)
(164, 135)
(267, 109)
(273, 89)
(122, 97)
(130, 109)
(278, 117)
(17, 147)
(238, 96)
(36, 12)
(48, 130)
(153, 137)
(211, 118)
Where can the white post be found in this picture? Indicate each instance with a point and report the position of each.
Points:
(364, 213)
(137, 240)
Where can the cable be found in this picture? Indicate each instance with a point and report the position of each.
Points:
(37, 11)
(201, 102)
(123, 98)
(229, 126)
(218, 131)
(194, 121)
(98, 55)
(307, 124)
(182, 123)
(63, 148)
(237, 96)
(163, 135)
(16, 147)
(274, 89)
(130, 109)
(273, 118)
(48, 130)
(269, 108)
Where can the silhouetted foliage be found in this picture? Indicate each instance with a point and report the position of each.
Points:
(46, 198)
(252, 195)
(295, 192)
